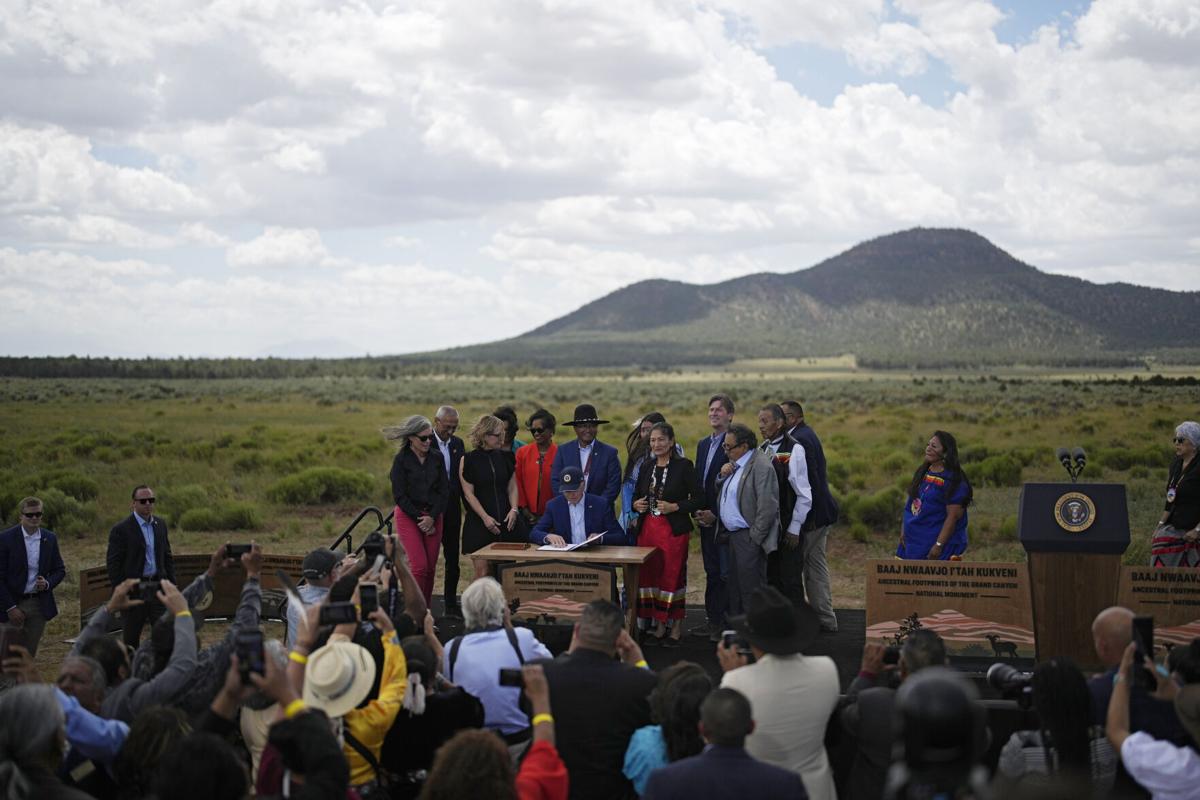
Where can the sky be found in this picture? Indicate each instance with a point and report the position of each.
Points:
(258, 177)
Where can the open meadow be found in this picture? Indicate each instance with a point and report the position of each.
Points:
(289, 462)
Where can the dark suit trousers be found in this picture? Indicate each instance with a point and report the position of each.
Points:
(716, 576)
(785, 571)
(134, 618)
(747, 569)
(451, 546)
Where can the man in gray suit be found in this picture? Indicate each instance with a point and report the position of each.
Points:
(747, 513)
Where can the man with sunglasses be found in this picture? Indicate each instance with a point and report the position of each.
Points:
(138, 548)
(30, 567)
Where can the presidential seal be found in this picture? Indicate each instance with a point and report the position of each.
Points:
(1075, 512)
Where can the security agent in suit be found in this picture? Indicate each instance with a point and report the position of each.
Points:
(747, 513)
(599, 462)
(30, 567)
(451, 449)
(724, 770)
(599, 702)
(138, 548)
(573, 516)
(710, 457)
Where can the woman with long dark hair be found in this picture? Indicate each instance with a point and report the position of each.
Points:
(421, 491)
(675, 708)
(935, 514)
(1066, 745)
(637, 450)
(666, 497)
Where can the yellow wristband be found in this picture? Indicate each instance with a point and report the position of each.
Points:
(538, 719)
(642, 664)
(294, 708)
(184, 613)
(299, 658)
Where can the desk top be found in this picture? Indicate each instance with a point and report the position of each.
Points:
(598, 554)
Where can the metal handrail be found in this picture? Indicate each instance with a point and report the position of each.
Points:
(383, 522)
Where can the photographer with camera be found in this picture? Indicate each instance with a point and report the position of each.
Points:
(867, 711)
(128, 694)
(1164, 769)
(1065, 745)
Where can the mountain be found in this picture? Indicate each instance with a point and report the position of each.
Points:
(921, 297)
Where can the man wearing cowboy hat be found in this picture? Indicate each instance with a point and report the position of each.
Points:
(792, 694)
(574, 515)
(598, 461)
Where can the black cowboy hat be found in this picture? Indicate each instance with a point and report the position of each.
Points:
(772, 624)
(585, 414)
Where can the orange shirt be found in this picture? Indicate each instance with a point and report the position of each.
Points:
(528, 495)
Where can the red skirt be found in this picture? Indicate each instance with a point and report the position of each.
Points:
(662, 590)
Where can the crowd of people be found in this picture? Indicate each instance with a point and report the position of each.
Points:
(362, 698)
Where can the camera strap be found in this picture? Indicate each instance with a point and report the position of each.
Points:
(457, 643)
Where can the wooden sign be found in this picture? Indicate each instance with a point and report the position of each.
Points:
(980, 609)
(554, 592)
(95, 590)
(1169, 594)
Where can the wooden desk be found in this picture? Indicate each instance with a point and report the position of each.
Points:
(630, 559)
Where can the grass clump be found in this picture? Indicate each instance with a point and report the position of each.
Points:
(320, 485)
(228, 517)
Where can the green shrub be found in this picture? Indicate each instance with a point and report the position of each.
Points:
(1008, 527)
(250, 462)
(318, 485)
(80, 487)
(176, 501)
(65, 515)
(896, 462)
(860, 532)
(199, 519)
(881, 509)
(995, 471)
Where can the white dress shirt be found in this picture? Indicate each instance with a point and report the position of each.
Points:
(585, 455)
(1166, 771)
(731, 515)
(798, 478)
(445, 448)
(578, 528)
(33, 552)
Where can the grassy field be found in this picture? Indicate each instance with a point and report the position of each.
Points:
(290, 462)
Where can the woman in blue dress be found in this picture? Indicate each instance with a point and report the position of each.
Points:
(935, 514)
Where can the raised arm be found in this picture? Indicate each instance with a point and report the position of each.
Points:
(168, 683)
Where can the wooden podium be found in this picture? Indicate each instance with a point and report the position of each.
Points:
(1074, 535)
(630, 559)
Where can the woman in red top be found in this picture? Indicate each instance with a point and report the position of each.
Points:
(533, 466)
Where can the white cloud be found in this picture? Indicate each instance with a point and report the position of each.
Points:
(521, 143)
(280, 247)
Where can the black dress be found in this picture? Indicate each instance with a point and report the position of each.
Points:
(488, 472)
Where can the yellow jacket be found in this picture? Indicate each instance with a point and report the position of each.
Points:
(371, 723)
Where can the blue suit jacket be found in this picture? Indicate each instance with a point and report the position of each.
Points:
(708, 486)
(604, 474)
(597, 517)
(723, 773)
(14, 569)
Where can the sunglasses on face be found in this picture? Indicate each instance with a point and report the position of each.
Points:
(31, 514)
(149, 500)
(1180, 440)
(427, 438)
(537, 431)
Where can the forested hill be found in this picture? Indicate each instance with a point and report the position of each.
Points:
(918, 298)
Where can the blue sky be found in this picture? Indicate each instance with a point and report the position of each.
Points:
(333, 179)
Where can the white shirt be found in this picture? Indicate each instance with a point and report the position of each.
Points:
(1166, 771)
(585, 455)
(445, 448)
(33, 552)
(791, 698)
(731, 515)
(798, 478)
(578, 528)
(772, 446)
